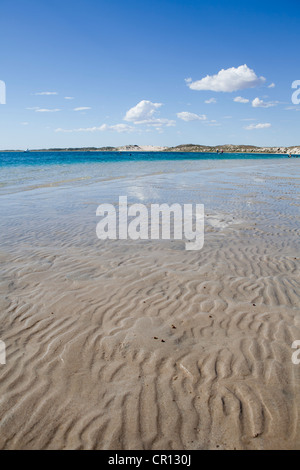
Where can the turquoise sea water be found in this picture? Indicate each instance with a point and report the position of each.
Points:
(58, 192)
(60, 158)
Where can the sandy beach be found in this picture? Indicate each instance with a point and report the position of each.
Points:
(142, 344)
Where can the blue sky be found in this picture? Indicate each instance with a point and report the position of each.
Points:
(138, 68)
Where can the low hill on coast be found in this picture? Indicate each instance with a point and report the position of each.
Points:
(227, 148)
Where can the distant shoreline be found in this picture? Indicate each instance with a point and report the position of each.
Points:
(188, 148)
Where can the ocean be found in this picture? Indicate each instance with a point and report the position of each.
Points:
(60, 158)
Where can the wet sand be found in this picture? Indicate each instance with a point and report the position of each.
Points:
(142, 344)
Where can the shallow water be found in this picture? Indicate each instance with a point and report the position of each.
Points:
(52, 190)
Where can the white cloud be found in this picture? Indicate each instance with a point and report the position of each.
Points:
(186, 116)
(272, 85)
(81, 129)
(157, 122)
(143, 111)
(104, 127)
(257, 103)
(213, 122)
(292, 108)
(188, 80)
(45, 110)
(240, 99)
(118, 128)
(210, 101)
(229, 80)
(46, 93)
(69, 97)
(82, 108)
(24, 123)
(258, 126)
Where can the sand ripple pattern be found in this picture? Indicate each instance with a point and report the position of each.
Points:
(147, 346)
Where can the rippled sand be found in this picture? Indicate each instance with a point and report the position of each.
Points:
(143, 345)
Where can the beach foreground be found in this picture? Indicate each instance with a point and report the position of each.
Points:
(142, 344)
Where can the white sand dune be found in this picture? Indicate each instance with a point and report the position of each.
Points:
(141, 148)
